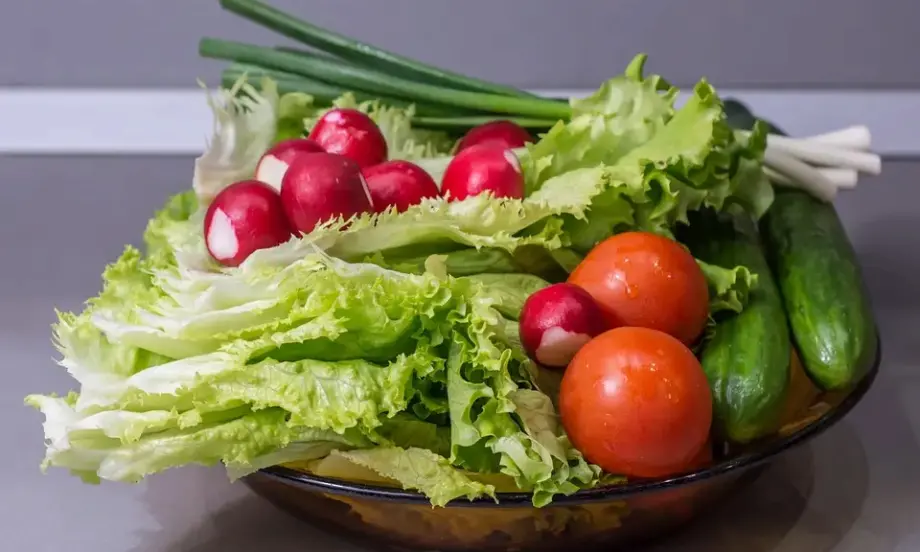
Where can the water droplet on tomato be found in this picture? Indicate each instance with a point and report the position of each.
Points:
(631, 291)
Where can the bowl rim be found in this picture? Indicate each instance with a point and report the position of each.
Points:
(604, 493)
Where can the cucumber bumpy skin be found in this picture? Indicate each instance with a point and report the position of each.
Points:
(822, 287)
(746, 357)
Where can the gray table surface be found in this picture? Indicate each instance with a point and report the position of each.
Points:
(856, 488)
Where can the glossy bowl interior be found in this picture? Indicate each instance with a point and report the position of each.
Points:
(604, 518)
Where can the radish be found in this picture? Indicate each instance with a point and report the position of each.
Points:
(244, 217)
(557, 321)
(398, 183)
(483, 168)
(322, 186)
(350, 133)
(275, 162)
(503, 134)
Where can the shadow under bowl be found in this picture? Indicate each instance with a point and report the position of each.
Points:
(604, 518)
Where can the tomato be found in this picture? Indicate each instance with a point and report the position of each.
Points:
(643, 279)
(636, 402)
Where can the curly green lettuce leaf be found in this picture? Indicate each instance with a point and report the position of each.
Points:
(624, 113)
(435, 226)
(91, 357)
(464, 262)
(406, 431)
(543, 427)
(167, 229)
(175, 234)
(316, 309)
(336, 395)
(331, 309)
(497, 427)
(293, 108)
(97, 448)
(418, 469)
(244, 128)
(296, 453)
(729, 288)
(690, 163)
(509, 291)
(322, 345)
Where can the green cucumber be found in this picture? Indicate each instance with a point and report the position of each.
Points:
(822, 286)
(746, 356)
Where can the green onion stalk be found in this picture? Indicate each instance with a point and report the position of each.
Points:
(443, 100)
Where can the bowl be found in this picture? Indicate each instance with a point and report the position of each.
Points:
(604, 518)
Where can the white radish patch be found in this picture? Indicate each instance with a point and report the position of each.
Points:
(367, 190)
(221, 238)
(334, 116)
(558, 346)
(277, 160)
(271, 170)
(513, 161)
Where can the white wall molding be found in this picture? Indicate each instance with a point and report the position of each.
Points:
(177, 121)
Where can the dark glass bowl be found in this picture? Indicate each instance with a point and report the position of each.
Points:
(604, 518)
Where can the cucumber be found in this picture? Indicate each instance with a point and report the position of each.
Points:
(746, 357)
(820, 281)
(822, 286)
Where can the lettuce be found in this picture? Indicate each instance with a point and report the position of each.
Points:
(728, 288)
(419, 469)
(286, 362)
(244, 127)
(624, 113)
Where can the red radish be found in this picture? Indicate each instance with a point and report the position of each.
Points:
(320, 187)
(278, 159)
(350, 133)
(483, 168)
(244, 217)
(503, 134)
(557, 321)
(398, 183)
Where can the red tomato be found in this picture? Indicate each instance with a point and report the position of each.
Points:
(636, 402)
(646, 280)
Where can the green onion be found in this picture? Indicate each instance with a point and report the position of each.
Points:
(323, 93)
(450, 123)
(374, 81)
(358, 52)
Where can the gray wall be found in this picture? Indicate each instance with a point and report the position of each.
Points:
(535, 43)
